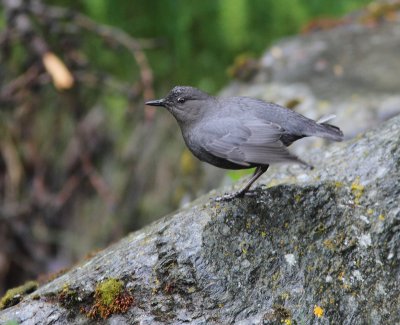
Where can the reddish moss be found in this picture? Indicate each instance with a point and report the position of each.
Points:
(68, 298)
(120, 305)
(109, 298)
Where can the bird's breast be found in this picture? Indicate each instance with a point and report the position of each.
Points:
(192, 139)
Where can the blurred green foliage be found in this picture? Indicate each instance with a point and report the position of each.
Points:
(236, 175)
(198, 40)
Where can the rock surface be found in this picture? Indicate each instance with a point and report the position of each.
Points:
(310, 247)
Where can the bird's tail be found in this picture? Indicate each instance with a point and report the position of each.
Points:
(328, 131)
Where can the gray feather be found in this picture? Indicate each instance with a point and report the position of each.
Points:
(326, 118)
(254, 142)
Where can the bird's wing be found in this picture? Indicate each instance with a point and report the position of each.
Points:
(246, 143)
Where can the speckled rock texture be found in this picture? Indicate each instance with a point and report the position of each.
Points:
(310, 247)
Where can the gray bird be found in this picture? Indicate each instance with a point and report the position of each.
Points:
(240, 132)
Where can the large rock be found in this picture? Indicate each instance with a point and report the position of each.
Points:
(310, 247)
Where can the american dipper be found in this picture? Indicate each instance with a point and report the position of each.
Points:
(240, 132)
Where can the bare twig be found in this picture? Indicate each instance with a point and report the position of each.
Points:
(22, 81)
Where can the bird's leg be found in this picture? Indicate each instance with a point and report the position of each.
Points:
(257, 173)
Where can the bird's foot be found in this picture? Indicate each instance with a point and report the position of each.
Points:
(230, 196)
(226, 197)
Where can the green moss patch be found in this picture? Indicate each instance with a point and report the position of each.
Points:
(110, 298)
(15, 295)
(107, 291)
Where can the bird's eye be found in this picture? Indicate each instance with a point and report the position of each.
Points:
(181, 100)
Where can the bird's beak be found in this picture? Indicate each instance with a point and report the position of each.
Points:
(158, 102)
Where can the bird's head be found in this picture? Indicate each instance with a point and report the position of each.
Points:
(185, 103)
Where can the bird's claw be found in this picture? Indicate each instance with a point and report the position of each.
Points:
(252, 193)
(230, 196)
(225, 198)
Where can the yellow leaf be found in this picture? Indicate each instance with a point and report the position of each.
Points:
(62, 77)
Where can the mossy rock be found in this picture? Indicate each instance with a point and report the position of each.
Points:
(15, 295)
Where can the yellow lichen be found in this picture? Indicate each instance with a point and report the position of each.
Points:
(243, 248)
(191, 289)
(320, 228)
(370, 211)
(297, 198)
(318, 311)
(329, 244)
(287, 321)
(276, 276)
(381, 217)
(263, 234)
(15, 295)
(346, 286)
(338, 184)
(357, 189)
